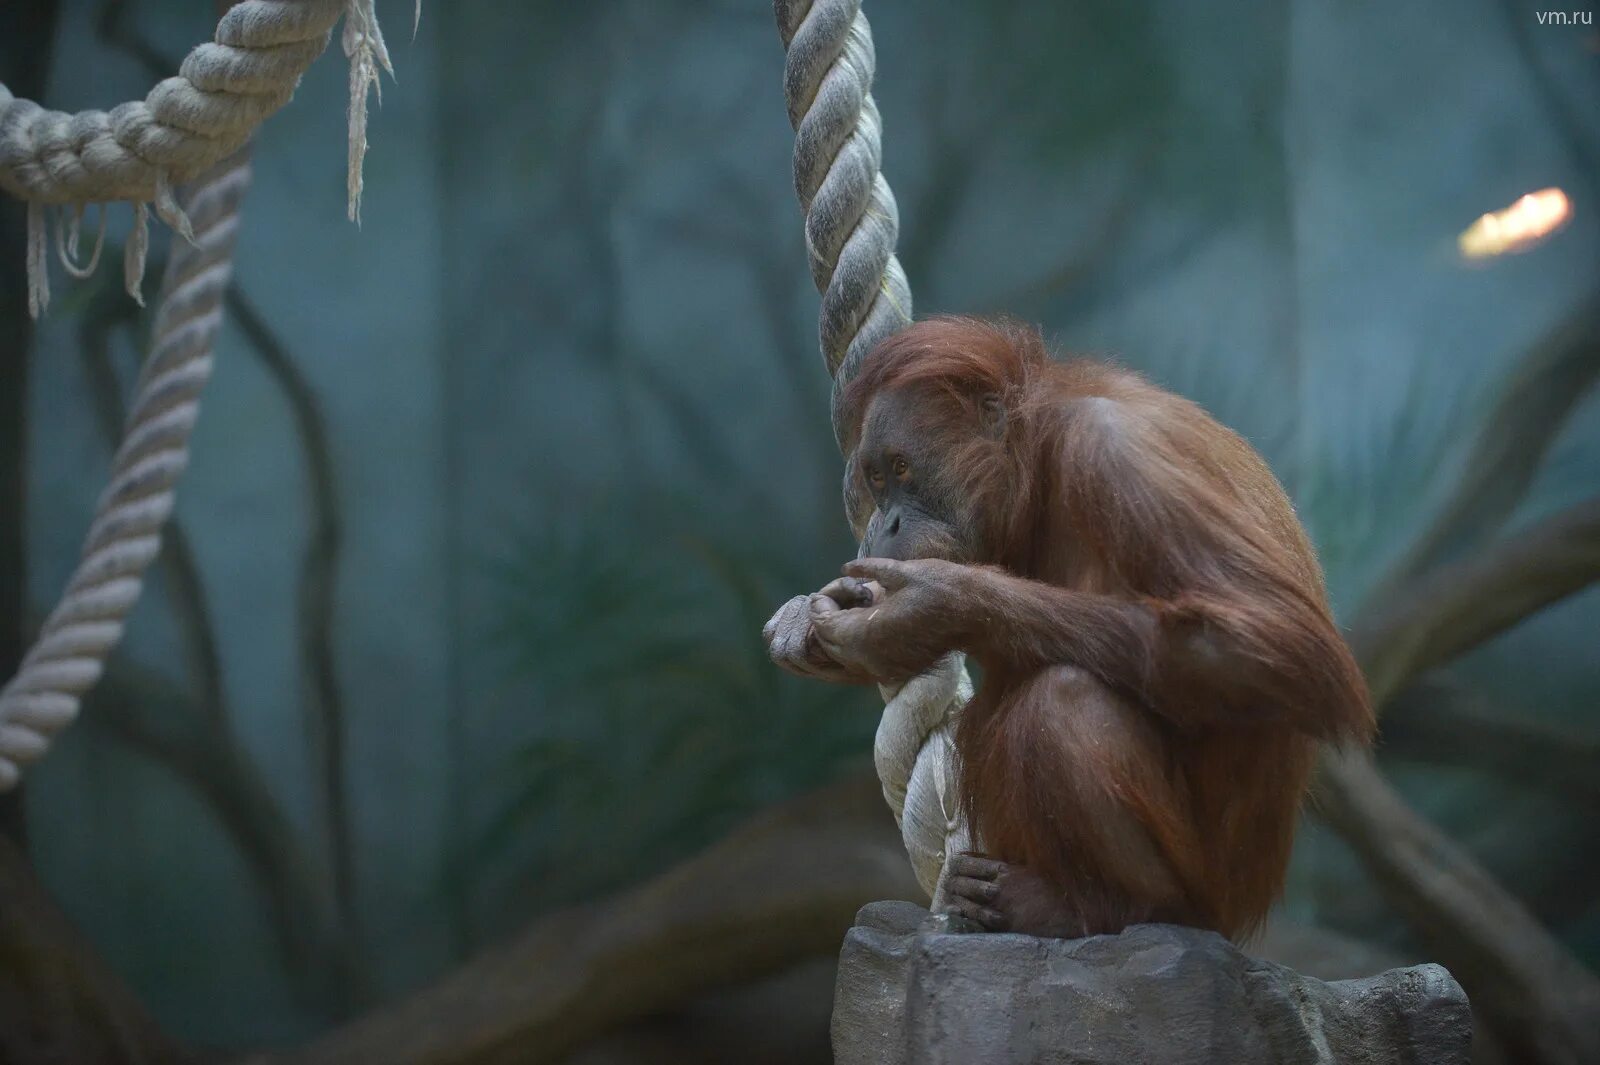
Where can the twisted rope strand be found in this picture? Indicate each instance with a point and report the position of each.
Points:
(851, 227)
(222, 92)
(852, 221)
(125, 535)
(198, 120)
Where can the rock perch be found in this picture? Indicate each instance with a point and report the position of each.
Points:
(1154, 995)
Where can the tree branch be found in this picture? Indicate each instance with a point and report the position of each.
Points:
(1538, 998)
(1457, 607)
(1498, 467)
(318, 586)
(58, 1001)
(1540, 1001)
(316, 606)
(1440, 724)
(1557, 892)
(228, 779)
(780, 889)
(27, 37)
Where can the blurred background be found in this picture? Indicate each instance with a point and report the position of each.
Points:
(444, 732)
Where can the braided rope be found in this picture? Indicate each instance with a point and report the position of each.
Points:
(851, 228)
(193, 125)
(914, 754)
(125, 536)
(852, 222)
(138, 151)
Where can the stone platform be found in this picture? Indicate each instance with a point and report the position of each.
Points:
(912, 992)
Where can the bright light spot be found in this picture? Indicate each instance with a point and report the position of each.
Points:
(1518, 227)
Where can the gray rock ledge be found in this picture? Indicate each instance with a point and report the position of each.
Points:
(911, 993)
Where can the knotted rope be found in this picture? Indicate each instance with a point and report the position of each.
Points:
(139, 151)
(69, 654)
(851, 227)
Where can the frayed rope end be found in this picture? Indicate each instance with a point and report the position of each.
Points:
(368, 54)
(135, 252)
(68, 230)
(167, 209)
(38, 262)
(67, 249)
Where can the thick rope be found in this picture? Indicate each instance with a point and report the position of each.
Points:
(198, 120)
(851, 219)
(70, 652)
(851, 228)
(915, 755)
(224, 89)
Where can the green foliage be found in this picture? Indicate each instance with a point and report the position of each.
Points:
(660, 721)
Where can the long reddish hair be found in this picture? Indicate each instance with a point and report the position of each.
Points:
(1100, 482)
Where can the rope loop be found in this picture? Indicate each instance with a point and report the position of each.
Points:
(193, 127)
(224, 89)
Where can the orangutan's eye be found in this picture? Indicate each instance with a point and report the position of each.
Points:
(875, 478)
(902, 469)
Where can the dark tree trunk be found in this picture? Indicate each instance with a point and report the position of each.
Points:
(27, 31)
(58, 1002)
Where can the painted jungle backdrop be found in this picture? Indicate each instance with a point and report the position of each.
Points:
(453, 649)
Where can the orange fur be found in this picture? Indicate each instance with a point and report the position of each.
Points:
(1158, 656)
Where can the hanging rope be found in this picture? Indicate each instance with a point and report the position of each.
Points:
(851, 219)
(70, 652)
(851, 228)
(140, 150)
(198, 120)
(914, 753)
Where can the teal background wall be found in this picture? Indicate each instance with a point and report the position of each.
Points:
(576, 423)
